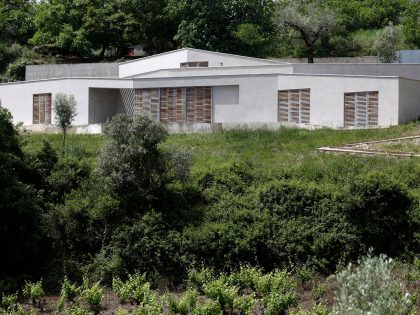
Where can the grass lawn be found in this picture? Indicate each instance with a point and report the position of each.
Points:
(267, 151)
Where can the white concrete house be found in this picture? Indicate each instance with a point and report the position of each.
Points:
(191, 89)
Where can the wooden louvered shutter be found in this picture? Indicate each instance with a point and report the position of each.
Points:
(305, 106)
(373, 101)
(294, 106)
(349, 109)
(48, 109)
(146, 102)
(35, 112)
(284, 106)
(361, 109)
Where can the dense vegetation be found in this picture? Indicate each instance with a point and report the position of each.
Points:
(138, 200)
(62, 30)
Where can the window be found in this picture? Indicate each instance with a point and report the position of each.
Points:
(175, 105)
(195, 64)
(42, 108)
(294, 106)
(361, 109)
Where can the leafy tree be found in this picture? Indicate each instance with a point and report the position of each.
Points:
(388, 42)
(136, 168)
(227, 26)
(64, 107)
(16, 20)
(307, 21)
(411, 24)
(20, 207)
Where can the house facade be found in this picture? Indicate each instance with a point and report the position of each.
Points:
(190, 89)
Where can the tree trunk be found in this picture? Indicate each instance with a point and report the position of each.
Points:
(64, 139)
(310, 55)
(102, 54)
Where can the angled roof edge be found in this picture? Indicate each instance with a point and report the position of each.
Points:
(204, 51)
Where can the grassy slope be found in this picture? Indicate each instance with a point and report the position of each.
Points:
(267, 151)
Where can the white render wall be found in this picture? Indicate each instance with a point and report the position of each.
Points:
(327, 96)
(409, 99)
(167, 60)
(173, 60)
(18, 97)
(257, 95)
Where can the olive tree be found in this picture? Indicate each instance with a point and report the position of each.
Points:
(388, 42)
(64, 107)
(307, 21)
(135, 165)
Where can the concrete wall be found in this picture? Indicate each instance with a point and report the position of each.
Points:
(327, 96)
(103, 104)
(364, 59)
(18, 97)
(257, 95)
(90, 70)
(409, 100)
(410, 71)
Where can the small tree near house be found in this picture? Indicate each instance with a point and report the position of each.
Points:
(64, 107)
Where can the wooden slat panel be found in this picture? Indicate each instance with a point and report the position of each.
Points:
(48, 109)
(146, 102)
(305, 106)
(294, 106)
(373, 102)
(361, 109)
(36, 109)
(283, 106)
(349, 109)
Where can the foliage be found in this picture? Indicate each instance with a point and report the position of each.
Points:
(186, 304)
(20, 205)
(308, 20)
(137, 170)
(77, 310)
(210, 307)
(132, 290)
(388, 42)
(35, 292)
(372, 275)
(219, 290)
(198, 278)
(245, 304)
(8, 302)
(64, 107)
(93, 296)
(69, 292)
(227, 26)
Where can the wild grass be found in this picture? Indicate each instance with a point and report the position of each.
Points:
(268, 152)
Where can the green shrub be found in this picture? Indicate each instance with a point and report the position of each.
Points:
(246, 278)
(77, 310)
(186, 304)
(278, 303)
(150, 304)
(370, 288)
(245, 304)
(318, 309)
(198, 278)
(35, 292)
(93, 296)
(132, 290)
(69, 291)
(210, 307)
(379, 208)
(222, 292)
(8, 302)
